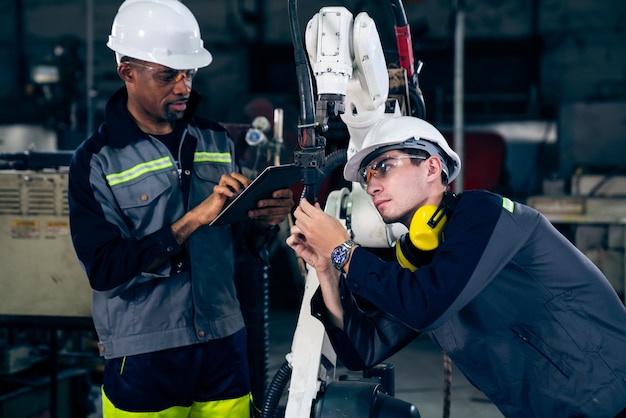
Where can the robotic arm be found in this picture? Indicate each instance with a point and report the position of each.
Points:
(349, 68)
(352, 82)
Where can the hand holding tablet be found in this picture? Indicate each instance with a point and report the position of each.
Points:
(271, 179)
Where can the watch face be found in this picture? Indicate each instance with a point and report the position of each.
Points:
(339, 255)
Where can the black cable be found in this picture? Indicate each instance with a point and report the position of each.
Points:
(303, 73)
(265, 257)
(399, 14)
(333, 160)
(416, 103)
(310, 155)
(275, 390)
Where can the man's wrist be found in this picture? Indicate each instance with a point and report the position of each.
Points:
(346, 266)
(341, 254)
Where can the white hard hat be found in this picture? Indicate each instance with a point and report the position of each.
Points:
(403, 132)
(160, 31)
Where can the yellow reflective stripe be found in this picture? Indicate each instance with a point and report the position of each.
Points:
(508, 204)
(212, 157)
(138, 170)
(231, 408)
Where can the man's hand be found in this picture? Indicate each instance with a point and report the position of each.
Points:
(313, 238)
(274, 210)
(228, 186)
(321, 231)
(297, 241)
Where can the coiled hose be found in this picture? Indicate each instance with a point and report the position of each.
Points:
(275, 390)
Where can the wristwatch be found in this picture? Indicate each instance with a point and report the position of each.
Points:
(339, 256)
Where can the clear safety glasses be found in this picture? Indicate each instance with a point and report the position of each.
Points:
(166, 75)
(381, 168)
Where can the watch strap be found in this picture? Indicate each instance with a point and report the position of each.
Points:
(340, 254)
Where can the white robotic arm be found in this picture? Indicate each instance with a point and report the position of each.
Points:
(368, 88)
(348, 63)
(352, 81)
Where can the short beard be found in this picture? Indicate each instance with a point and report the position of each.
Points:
(173, 116)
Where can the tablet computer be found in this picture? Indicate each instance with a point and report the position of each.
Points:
(272, 178)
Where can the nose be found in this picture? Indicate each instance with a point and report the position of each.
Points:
(185, 86)
(374, 186)
(183, 75)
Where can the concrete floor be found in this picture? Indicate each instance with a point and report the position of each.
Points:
(419, 377)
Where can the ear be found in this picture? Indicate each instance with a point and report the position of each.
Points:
(434, 167)
(126, 72)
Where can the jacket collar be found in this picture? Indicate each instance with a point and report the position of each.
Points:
(123, 129)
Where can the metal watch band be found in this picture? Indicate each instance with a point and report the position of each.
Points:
(339, 255)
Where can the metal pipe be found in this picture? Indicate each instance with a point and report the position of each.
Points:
(21, 69)
(89, 73)
(459, 52)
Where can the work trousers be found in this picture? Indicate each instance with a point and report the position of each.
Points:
(205, 380)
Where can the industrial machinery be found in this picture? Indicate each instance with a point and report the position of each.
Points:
(353, 83)
(45, 293)
(34, 225)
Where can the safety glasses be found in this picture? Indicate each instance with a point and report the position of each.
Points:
(166, 75)
(381, 168)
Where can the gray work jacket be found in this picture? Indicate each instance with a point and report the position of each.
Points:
(126, 189)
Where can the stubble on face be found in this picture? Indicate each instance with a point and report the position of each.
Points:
(172, 116)
(402, 196)
(403, 218)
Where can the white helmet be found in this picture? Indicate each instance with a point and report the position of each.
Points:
(160, 31)
(402, 132)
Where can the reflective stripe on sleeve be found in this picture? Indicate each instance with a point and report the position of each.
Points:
(508, 204)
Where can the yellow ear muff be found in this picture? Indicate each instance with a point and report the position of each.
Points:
(411, 257)
(417, 247)
(403, 254)
(422, 235)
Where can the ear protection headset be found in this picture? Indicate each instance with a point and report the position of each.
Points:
(417, 247)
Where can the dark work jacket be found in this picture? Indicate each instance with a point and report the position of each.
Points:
(125, 192)
(522, 313)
